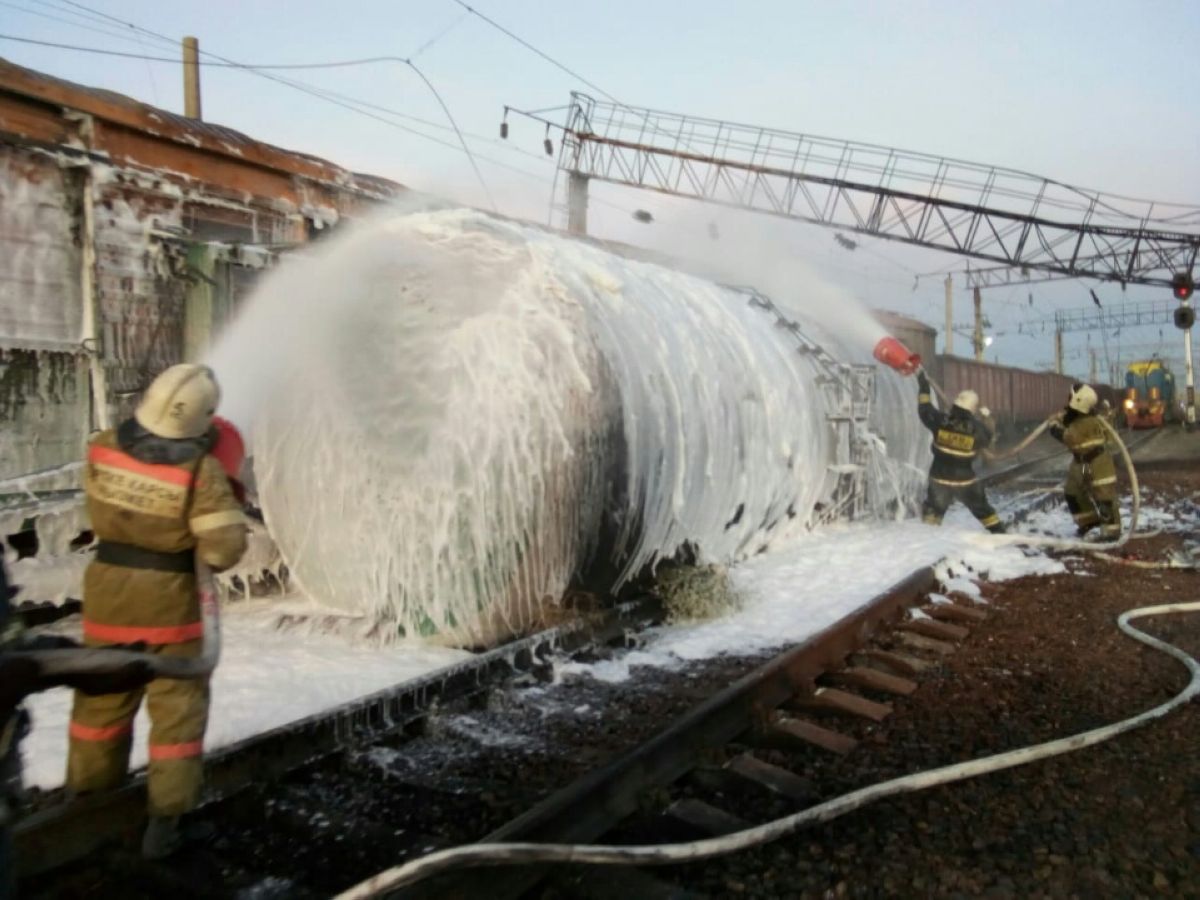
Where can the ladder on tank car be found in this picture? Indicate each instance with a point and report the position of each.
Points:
(847, 391)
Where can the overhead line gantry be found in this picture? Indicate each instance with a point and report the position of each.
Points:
(981, 212)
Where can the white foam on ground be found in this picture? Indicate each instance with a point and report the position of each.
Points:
(270, 677)
(267, 678)
(820, 578)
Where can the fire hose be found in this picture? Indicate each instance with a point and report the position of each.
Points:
(525, 853)
(659, 854)
(989, 454)
(102, 660)
(1062, 543)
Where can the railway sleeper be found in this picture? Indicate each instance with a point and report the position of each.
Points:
(705, 818)
(922, 642)
(833, 700)
(774, 778)
(953, 612)
(932, 628)
(873, 680)
(890, 662)
(787, 732)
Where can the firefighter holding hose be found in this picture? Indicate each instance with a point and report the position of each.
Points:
(160, 503)
(959, 436)
(21, 674)
(1091, 486)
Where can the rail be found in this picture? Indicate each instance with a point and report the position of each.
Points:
(57, 835)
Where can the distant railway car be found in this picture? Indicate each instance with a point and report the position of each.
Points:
(1018, 398)
(1149, 394)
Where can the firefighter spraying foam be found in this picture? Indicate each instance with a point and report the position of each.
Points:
(163, 509)
(958, 438)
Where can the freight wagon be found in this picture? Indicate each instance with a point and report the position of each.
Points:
(1018, 398)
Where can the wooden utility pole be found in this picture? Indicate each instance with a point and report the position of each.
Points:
(949, 316)
(191, 78)
(978, 336)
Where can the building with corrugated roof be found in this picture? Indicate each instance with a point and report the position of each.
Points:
(127, 236)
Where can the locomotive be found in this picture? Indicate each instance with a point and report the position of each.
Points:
(1149, 394)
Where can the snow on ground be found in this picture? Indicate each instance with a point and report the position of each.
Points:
(267, 677)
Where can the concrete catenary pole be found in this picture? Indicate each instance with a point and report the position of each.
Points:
(978, 335)
(1058, 353)
(1092, 370)
(191, 78)
(577, 203)
(949, 351)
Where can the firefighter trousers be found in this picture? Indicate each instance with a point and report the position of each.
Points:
(1091, 490)
(102, 734)
(971, 495)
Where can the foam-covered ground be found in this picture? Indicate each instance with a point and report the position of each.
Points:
(269, 677)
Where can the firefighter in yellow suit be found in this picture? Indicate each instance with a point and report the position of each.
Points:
(158, 501)
(1091, 485)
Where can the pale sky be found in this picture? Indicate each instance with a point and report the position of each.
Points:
(1097, 94)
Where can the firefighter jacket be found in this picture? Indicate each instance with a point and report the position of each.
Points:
(958, 437)
(168, 501)
(1084, 436)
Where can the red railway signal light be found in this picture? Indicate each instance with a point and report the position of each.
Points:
(1182, 286)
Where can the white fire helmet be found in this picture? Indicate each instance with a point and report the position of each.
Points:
(1083, 398)
(180, 402)
(968, 400)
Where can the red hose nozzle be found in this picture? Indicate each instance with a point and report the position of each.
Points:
(891, 352)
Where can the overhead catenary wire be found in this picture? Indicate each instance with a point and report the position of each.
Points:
(210, 64)
(366, 61)
(362, 107)
(327, 93)
(528, 46)
(107, 31)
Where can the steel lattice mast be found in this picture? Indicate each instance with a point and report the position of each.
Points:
(981, 212)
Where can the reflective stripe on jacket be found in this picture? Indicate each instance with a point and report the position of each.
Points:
(167, 508)
(958, 437)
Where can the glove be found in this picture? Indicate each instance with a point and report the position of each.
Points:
(1058, 417)
(923, 382)
(984, 412)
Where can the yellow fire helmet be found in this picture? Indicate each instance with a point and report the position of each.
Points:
(1083, 399)
(968, 400)
(180, 402)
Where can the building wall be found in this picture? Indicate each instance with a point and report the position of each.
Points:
(43, 397)
(160, 187)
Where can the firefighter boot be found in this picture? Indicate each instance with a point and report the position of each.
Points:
(162, 837)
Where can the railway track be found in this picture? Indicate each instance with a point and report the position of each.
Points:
(849, 670)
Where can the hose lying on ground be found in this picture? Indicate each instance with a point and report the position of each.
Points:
(494, 854)
(99, 660)
(1183, 563)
